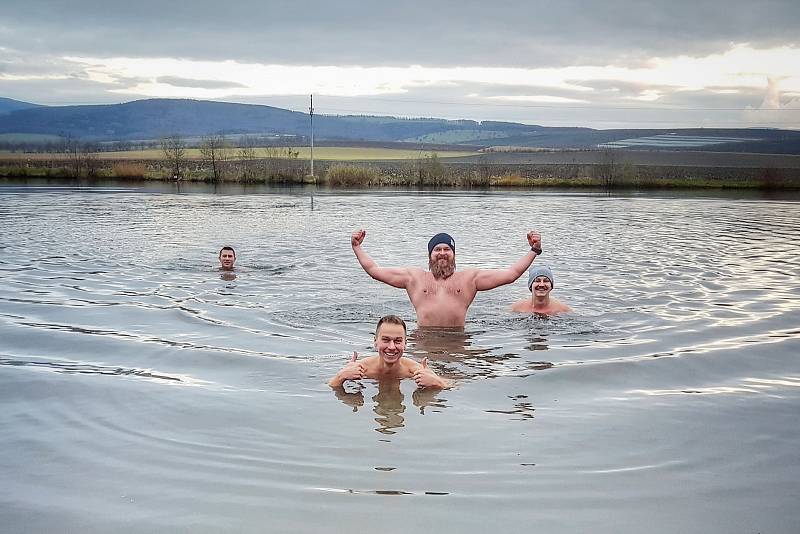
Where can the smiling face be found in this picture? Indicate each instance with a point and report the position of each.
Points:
(541, 286)
(227, 257)
(442, 261)
(390, 342)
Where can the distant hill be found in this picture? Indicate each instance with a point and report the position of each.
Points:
(8, 105)
(150, 119)
(155, 118)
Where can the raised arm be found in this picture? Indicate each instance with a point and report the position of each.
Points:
(394, 276)
(354, 370)
(492, 278)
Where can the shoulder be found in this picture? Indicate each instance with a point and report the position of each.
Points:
(415, 276)
(409, 362)
(464, 276)
(369, 361)
(409, 365)
(562, 307)
(416, 273)
(521, 306)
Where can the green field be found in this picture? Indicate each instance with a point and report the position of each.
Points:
(320, 153)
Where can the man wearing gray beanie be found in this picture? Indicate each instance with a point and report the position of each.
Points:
(540, 284)
(441, 296)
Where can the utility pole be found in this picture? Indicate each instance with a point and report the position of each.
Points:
(311, 114)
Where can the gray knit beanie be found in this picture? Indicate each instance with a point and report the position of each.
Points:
(539, 270)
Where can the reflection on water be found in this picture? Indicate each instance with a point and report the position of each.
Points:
(388, 401)
(537, 343)
(522, 409)
(453, 355)
(672, 387)
(351, 394)
(442, 343)
(389, 406)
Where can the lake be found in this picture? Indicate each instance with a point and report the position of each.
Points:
(142, 391)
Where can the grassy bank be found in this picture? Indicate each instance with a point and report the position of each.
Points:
(426, 171)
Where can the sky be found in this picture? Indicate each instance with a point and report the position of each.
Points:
(612, 64)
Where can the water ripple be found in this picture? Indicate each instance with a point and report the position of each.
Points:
(91, 369)
(674, 383)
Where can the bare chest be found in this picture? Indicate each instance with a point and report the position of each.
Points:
(453, 288)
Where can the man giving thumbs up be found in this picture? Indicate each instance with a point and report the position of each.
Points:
(390, 342)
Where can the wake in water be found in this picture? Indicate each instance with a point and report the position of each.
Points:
(70, 367)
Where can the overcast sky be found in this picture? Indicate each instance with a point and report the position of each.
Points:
(633, 64)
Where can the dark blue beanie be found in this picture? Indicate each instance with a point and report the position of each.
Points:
(439, 239)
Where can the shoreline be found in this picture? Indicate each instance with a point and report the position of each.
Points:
(607, 171)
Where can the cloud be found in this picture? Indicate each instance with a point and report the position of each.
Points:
(16, 64)
(550, 99)
(617, 62)
(739, 66)
(613, 89)
(58, 91)
(774, 110)
(446, 33)
(201, 84)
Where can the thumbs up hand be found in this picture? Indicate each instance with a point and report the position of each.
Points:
(426, 378)
(354, 370)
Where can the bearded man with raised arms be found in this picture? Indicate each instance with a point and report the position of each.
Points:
(442, 295)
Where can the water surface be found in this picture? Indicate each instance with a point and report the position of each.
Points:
(141, 392)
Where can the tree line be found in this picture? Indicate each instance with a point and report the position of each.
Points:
(245, 160)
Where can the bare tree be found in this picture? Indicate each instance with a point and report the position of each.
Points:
(81, 157)
(71, 148)
(174, 149)
(215, 152)
(430, 170)
(607, 169)
(90, 160)
(247, 156)
(281, 162)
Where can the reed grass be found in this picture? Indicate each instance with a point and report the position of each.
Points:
(128, 169)
(344, 175)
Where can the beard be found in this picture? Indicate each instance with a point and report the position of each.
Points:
(441, 270)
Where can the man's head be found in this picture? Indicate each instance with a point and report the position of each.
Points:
(390, 338)
(227, 257)
(442, 256)
(540, 279)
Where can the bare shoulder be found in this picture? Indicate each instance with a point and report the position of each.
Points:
(465, 276)
(562, 307)
(522, 306)
(409, 366)
(371, 363)
(416, 273)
